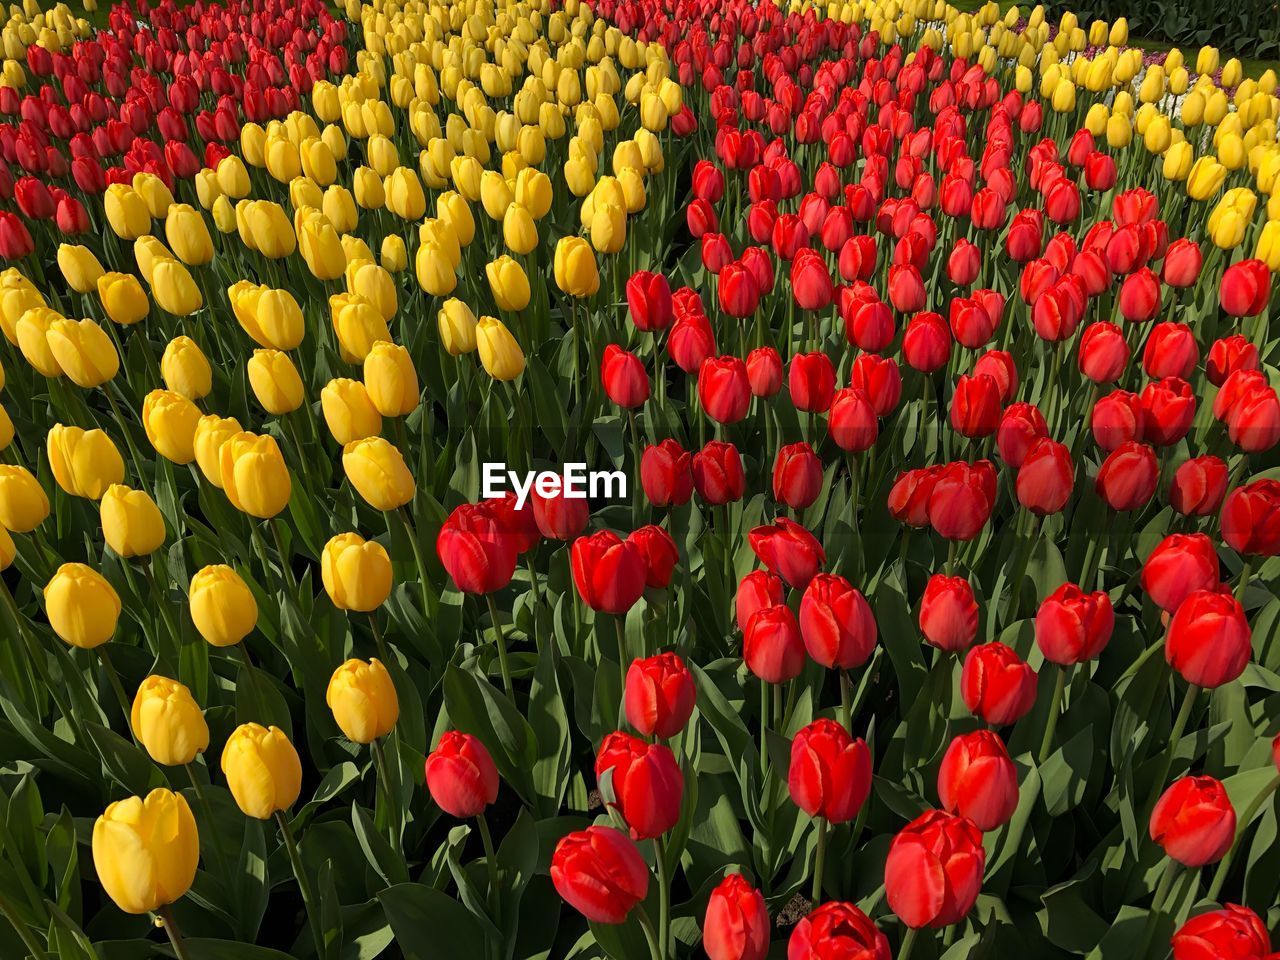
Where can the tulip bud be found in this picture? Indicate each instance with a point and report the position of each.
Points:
(977, 780)
(1208, 641)
(830, 772)
(83, 351)
(647, 786)
(836, 623)
(84, 462)
(263, 770)
(254, 476)
(659, 695)
(377, 470)
(1180, 565)
(997, 685)
(934, 869)
(356, 573)
(600, 873)
(348, 411)
(170, 421)
(223, 608)
(1233, 931)
(500, 354)
(23, 502)
(145, 851)
(1194, 822)
(837, 929)
(123, 298)
(168, 722)
(948, 613)
(81, 606)
(363, 698)
(461, 775)
(132, 524)
(391, 380)
(608, 572)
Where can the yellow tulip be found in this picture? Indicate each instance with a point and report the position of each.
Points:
(33, 340)
(126, 212)
(500, 354)
(390, 379)
(132, 524)
(434, 269)
(272, 318)
(1205, 178)
(363, 700)
(168, 722)
(211, 433)
(1268, 248)
(457, 327)
(254, 476)
(575, 267)
(185, 369)
(358, 325)
(377, 470)
(23, 502)
(222, 605)
(393, 255)
(519, 232)
(123, 298)
(366, 279)
(154, 194)
(340, 207)
(170, 422)
(145, 850)
(187, 234)
(263, 770)
(275, 381)
(80, 268)
(509, 284)
(348, 411)
(405, 196)
(174, 289)
(84, 462)
(356, 573)
(84, 352)
(81, 606)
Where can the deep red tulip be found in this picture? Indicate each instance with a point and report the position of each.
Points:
(977, 780)
(975, 406)
(963, 263)
(1116, 419)
(557, 515)
(926, 344)
(906, 288)
(15, 241)
(830, 773)
(723, 389)
(1251, 518)
(1103, 352)
(717, 473)
(461, 776)
(909, 496)
(1245, 288)
(736, 925)
(1234, 931)
(810, 281)
(1168, 409)
(1139, 298)
(852, 421)
(961, 499)
(1182, 263)
(1178, 566)
(811, 378)
(948, 613)
(1127, 478)
(666, 474)
(476, 550)
(649, 300)
(1046, 477)
(757, 590)
(836, 623)
(1228, 355)
(1073, 626)
(1000, 366)
(1253, 419)
(771, 644)
(625, 381)
(788, 550)
(1194, 822)
(737, 290)
(879, 378)
(609, 572)
(1208, 642)
(660, 553)
(600, 873)
(1198, 486)
(647, 785)
(1021, 426)
(835, 931)
(1171, 351)
(764, 372)
(797, 476)
(659, 695)
(708, 181)
(997, 685)
(933, 873)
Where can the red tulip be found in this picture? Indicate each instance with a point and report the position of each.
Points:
(660, 553)
(1245, 288)
(736, 925)
(788, 550)
(461, 776)
(852, 421)
(691, 342)
(868, 321)
(717, 473)
(1139, 298)
(909, 496)
(1171, 351)
(724, 390)
(1045, 478)
(1208, 641)
(926, 345)
(837, 931)
(933, 873)
(1180, 564)
(975, 406)
(15, 241)
(797, 476)
(810, 282)
(659, 695)
(1127, 478)
(649, 299)
(906, 288)
(1104, 354)
(1198, 486)
(600, 873)
(625, 381)
(830, 773)
(961, 499)
(1251, 518)
(879, 378)
(1182, 263)
(757, 590)
(963, 263)
(609, 572)
(1116, 419)
(666, 474)
(836, 623)
(1228, 355)
(948, 613)
(1021, 427)
(559, 516)
(997, 685)
(737, 290)
(1233, 932)
(1168, 409)
(1073, 626)
(1000, 366)
(1253, 420)
(977, 780)
(771, 644)
(708, 181)
(647, 785)
(475, 550)
(811, 379)
(1194, 822)
(764, 372)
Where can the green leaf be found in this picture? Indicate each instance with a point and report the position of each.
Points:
(429, 924)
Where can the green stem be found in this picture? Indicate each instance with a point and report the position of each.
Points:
(285, 571)
(175, 636)
(1055, 708)
(175, 935)
(384, 784)
(377, 637)
(207, 809)
(664, 895)
(1243, 583)
(304, 883)
(764, 726)
(21, 928)
(502, 644)
(846, 700)
(650, 934)
(1220, 875)
(1179, 727)
(908, 943)
(819, 860)
(428, 607)
(1157, 902)
(491, 864)
(635, 486)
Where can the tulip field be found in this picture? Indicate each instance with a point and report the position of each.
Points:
(635, 479)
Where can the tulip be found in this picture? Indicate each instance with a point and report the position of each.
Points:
(223, 607)
(211, 433)
(262, 769)
(933, 872)
(80, 268)
(1179, 565)
(724, 392)
(123, 298)
(648, 300)
(600, 873)
(574, 267)
(772, 646)
(168, 722)
(83, 351)
(736, 924)
(660, 554)
(475, 549)
(1245, 288)
(132, 524)
(837, 929)
(1194, 822)
(187, 235)
(787, 549)
(997, 685)
(81, 606)
(1233, 931)
(348, 410)
(145, 851)
(377, 470)
(275, 382)
(170, 420)
(666, 474)
(1251, 518)
(718, 474)
(363, 699)
(948, 613)
(84, 462)
(830, 772)
(390, 380)
(812, 382)
(254, 476)
(174, 289)
(978, 781)
(608, 572)
(797, 476)
(1198, 486)
(500, 354)
(185, 369)
(756, 591)
(1127, 478)
(836, 623)
(1022, 426)
(624, 378)
(961, 498)
(658, 696)
(1208, 640)
(646, 783)
(1045, 478)
(457, 327)
(356, 573)
(461, 776)
(509, 284)
(1072, 626)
